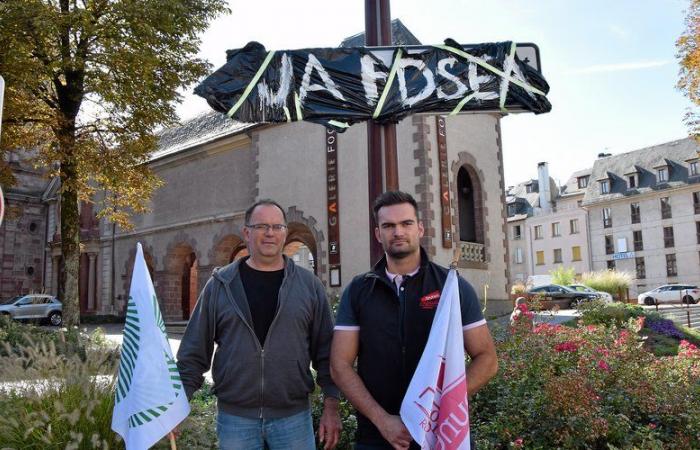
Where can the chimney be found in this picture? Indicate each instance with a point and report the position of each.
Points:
(544, 188)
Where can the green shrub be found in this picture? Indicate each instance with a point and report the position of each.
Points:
(101, 319)
(608, 314)
(611, 281)
(588, 387)
(563, 276)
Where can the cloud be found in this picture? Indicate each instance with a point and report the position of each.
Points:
(604, 68)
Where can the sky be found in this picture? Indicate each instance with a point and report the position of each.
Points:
(611, 65)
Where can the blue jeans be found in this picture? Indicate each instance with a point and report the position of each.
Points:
(242, 433)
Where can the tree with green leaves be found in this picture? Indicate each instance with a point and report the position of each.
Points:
(87, 84)
(688, 46)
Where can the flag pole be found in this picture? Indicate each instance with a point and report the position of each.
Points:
(173, 446)
(456, 256)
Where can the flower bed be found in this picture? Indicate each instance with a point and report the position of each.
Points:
(588, 386)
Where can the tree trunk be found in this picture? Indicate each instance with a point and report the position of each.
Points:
(70, 238)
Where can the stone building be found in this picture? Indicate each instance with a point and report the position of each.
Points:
(637, 212)
(214, 168)
(23, 232)
(547, 228)
(644, 209)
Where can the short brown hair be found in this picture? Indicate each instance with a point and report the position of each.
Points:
(390, 198)
(265, 201)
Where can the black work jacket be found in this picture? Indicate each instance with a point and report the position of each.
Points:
(394, 327)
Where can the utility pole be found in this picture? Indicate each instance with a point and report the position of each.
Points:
(381, 139)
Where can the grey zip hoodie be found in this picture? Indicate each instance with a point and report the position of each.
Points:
(251, 379)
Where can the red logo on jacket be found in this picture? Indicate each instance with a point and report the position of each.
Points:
(430, 301)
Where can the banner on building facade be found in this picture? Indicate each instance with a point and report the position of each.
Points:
(333, 209)
(445, 207)
(337, 87)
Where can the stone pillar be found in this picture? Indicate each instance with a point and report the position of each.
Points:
(56, 267)
(91, 306)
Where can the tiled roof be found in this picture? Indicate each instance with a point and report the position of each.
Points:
(674, 154)
(197, 131)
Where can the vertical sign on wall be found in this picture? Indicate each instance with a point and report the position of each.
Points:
(331, 145)
(444, 183)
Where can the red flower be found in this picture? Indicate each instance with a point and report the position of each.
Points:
(602, 365)
(568, 346)
(652, 426)
(518, 442)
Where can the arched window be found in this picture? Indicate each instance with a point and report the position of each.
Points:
(467, 207)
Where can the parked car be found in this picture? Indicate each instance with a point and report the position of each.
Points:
(670, 293)
(604, 296)
(557, 292)
(34, 306)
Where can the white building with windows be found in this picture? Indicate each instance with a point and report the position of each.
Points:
(637, 212)
(547, 228)
(644, 210)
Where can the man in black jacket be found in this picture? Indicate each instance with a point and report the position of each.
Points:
(270, 320)
(384, 321)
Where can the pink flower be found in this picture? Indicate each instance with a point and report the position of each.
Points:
(591, 327)
(518, 442)
(546, 328)
(624, 334)
(568, 346)
(652, 426)
(685, 345)
(602, 365)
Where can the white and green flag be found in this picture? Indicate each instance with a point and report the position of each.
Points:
(150, 398)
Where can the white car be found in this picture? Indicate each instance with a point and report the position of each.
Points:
(604, 296)
(670, 293)
(33, 306)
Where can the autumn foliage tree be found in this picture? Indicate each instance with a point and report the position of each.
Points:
(688, 46)
(87, 84)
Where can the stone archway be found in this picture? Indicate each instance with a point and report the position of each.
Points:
(180, 279)
(225, 250)
(303, 230)
(301, 246)
(469, 210)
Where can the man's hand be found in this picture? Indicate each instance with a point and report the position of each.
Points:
(394, 431)
(329, 426)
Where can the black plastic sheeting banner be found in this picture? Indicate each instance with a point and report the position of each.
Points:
(337, 87)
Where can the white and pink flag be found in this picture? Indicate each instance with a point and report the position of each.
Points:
(435, 409)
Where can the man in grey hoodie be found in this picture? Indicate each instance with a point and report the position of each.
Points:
(270, 320)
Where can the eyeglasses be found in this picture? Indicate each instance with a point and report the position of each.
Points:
(265, 227)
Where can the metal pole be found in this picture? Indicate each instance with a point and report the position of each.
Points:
(378, 32)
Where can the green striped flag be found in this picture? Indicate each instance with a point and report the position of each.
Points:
(150, 399)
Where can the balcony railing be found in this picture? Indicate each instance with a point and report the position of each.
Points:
(471, 251)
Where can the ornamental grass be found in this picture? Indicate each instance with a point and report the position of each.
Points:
(613, 282)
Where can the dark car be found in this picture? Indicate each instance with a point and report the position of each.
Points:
(557, 292)
(34, 306)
